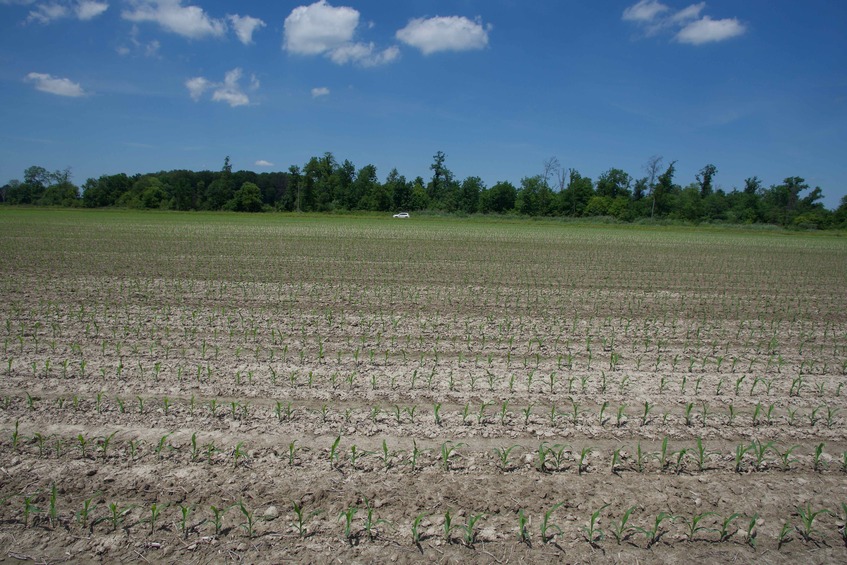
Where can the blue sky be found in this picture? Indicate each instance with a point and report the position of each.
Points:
(500, 86)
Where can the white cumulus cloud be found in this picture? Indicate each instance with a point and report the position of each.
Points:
(55, 85)
(707, 30)
(189, 21)
(320, 91)
(444, 33)
(244, 27)
(319, 28)
(263, 163)
(323, 29)
(229, 91)
(687, 24)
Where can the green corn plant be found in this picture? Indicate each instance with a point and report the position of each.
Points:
(619, 417)
(785, 459)
(640, 457)
(546, 526)
(116, 515)
(807, 519)
(662, 456)
(646, 414)
(751, 530)
(82, 516)
(371, 521)
(688, 408)
(502, 454)
(655, 533)
(185, 512)
(616, 456)
(237, 454)
(621, 529)
(249, 520)
(527, 412)
(817, 464)
(348, 515)
(693, 526)
(292, 451)
(302, 518)
(155, 511)
(53, 512)
(469, 529)
(39, 439)
(447, 450)
(218, 517)
(593, 533)
(161, 445)
(759, 450)
(29, 507)
(701, 455)
(448, 526)
(105, 442)
(680, 459)
(523, 528)
(583, 460)
(784, 535)
(194, 449)
(602, 411)
(723, 531)
(417, 534)
(740, 451)
(333, 452)
(82, 443)
(437, 412)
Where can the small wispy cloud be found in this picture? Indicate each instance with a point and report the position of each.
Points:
(48, 12)
(189, 21)
(55, 85)
(245, 26)
(320, 91)
(263, 163)
(686, 24)
(229, 91)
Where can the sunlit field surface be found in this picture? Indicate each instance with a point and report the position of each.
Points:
(216, 387)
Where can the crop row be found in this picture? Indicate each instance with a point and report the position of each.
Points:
(503, 416)
(360, 522)
(548, 457)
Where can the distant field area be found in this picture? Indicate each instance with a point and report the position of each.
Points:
(222, 387)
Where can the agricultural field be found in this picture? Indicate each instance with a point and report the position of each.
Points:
(197, 388)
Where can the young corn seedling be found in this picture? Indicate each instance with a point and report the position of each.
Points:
(155, 511)
(82, 516)
(646, 414)
(184, 525)
(740, 451)
(447, 451)
(759, 450)
(29, 507)
(621, 529)
(640, 457)
(218, 517)
(784, 535)
(448, 526)
(807, 520)
(523, 529)
(751, 532)
(333, 452)
(785, 459)
(116, 515)
(655, 533)
(502, 454)
(371, 521)
(616, 457)
(680, 460)
(619, 420)
(723, 531)
(105, 442)
(702, 455)
(546, 527)
(348, 515)
(302, 518)
(593, 533)
(238, 454)
(693, 526)
(583, 460)
(469, 529)
(417, 534)
(817, 463)
(249, 520)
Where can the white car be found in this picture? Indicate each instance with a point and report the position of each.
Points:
(401, 215)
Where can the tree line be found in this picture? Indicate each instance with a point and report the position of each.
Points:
(325, 185)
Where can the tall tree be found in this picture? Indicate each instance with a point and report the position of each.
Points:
(704, 179)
